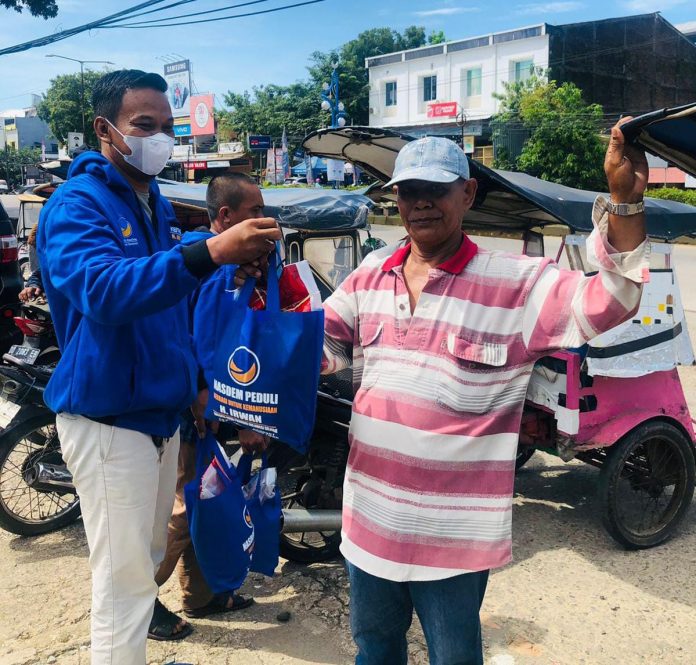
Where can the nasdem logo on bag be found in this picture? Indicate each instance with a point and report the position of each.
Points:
(243, 366)
(248, 544)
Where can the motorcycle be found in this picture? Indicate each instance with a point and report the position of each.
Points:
(36, 491)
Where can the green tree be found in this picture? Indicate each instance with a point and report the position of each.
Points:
(61, 108)
(12, 161)
(268, 109)
(437, 37)
(563, 142)
(353, 81)
(42, 8)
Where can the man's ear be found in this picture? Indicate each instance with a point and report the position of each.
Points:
(101, 129)
(470, 188)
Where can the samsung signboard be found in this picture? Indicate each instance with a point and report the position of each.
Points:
(178, 77)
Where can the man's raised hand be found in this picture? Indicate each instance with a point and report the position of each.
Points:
(244, 242)
(626, 167)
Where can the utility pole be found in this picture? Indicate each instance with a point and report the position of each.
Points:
(82, 82)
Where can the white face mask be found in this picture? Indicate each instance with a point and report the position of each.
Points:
(149, 154)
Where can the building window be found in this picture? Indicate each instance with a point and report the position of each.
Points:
(390, 90)
(429, 88)
(472, 82)
(523, 70)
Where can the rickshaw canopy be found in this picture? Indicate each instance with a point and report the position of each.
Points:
(506, 199)
(295, 208)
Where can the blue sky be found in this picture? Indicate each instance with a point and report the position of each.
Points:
(234, 55)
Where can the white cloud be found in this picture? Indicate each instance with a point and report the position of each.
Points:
(446, 11)
(651, 5)
(550, 8)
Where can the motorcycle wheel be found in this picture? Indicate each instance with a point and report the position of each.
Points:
(298, 490)
(646, 485)
(25, 510)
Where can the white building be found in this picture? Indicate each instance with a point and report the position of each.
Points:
(425, 89)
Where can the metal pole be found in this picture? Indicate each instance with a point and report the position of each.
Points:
(82, 99)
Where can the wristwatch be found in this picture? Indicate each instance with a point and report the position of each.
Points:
(625, 209)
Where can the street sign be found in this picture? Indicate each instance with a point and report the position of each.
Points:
(442, 110)
(260, 142)
(182, 130)
(75, 140)
(196, 166)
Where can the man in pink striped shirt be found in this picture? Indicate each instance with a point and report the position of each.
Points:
(443, 336)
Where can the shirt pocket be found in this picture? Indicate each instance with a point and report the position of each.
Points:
(473, 380)
(368, 364)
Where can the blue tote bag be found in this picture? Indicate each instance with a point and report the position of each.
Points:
(221, 527)
(266, 367)
(266, 514)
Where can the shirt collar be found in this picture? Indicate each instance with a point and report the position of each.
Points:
(454, 265)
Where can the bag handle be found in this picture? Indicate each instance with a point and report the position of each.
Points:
(243, 296)
(207, 448)
(244, 466)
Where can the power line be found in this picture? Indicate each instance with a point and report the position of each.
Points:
(212, 20)
(159, 9)
(172, 18)
(64, 34)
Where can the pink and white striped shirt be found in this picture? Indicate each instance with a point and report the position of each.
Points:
(439, 394)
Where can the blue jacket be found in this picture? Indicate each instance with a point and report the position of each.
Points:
(117, 286)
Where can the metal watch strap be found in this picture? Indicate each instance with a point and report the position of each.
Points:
(625, 209)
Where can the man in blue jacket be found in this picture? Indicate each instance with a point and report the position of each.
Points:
(116, 279)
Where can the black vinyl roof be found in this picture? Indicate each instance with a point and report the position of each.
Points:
(506, 199)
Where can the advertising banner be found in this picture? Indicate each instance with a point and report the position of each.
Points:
(468, 146)
(335, 170)
(202, 118)
(178, 78)
(274, 167)
(259, 142)
(442, 110)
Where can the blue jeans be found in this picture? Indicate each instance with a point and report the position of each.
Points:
(381, 612)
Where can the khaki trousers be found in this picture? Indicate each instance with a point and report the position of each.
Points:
(179, 553)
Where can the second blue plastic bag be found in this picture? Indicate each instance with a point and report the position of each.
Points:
(221, 527)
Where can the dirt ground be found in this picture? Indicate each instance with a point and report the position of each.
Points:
(571, 597)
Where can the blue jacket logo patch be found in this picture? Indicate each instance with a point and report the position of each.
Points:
(175, 232)
(243, 366)
(127, 231)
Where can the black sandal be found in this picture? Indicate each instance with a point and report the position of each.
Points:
(163, 624)
(219, 605)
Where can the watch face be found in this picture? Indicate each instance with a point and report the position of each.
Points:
(201, 114)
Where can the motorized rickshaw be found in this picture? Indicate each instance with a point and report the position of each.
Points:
(616, 403)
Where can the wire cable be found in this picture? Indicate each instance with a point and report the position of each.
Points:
(211, 20)
(64, 34)
(172, 18)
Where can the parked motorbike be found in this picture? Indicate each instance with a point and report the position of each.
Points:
(36, 491)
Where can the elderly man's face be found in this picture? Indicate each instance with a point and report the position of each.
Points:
(431, 211)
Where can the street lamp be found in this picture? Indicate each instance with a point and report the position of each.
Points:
(461, 121)
(330, 101)
(82, 81)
